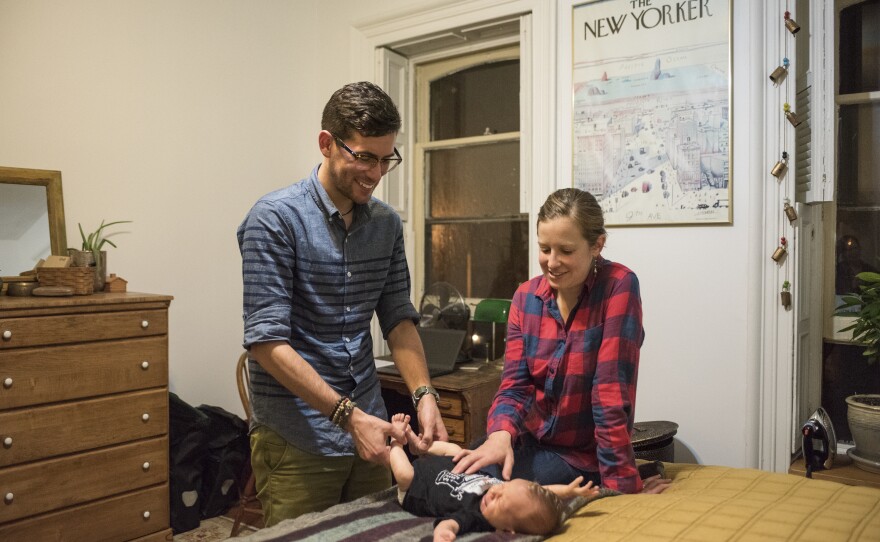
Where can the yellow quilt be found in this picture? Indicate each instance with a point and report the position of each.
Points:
(708, 504)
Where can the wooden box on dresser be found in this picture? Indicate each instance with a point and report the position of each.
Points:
(84, 418)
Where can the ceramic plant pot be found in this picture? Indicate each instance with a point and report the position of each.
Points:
(863, 415)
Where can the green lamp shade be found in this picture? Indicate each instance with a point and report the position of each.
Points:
(492, 310)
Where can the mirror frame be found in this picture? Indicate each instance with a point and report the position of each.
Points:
(54, 203)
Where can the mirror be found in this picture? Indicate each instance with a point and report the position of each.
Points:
(31, 219)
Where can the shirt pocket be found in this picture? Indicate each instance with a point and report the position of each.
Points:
(588, 348)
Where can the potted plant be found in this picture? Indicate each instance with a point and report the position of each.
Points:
(863, 410)
(92, 255)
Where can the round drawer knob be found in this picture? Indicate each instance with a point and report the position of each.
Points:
(146, 466)
(146, 514)
(7, 383)
(145, 365)
(7, 335)
(7, 442)
(145, 417)
(145, 324)
(8, 498)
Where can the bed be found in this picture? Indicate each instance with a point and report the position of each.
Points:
(704, 504)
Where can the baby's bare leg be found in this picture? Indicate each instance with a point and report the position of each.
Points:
(401, 468)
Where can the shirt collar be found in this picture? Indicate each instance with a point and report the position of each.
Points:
(323, 201)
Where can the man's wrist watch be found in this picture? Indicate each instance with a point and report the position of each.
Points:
(421, 391)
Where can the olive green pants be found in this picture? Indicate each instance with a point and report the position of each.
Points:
(291, 482)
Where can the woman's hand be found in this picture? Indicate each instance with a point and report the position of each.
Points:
(655, 484)
(497, 450)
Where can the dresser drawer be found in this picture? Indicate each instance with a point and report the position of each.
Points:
(41, 432)
(449, 404)
(456, 430)
(75, 328)
(115, 519)
(32, 376)
(57, 483)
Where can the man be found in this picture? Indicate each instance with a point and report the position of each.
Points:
(319, 258)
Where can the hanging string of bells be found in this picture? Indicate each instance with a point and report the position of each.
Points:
(779, 169)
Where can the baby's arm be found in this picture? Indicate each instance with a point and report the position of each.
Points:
(439, 447)
(446, 531)
(574, 489)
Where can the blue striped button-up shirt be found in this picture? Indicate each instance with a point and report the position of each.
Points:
(316, 285)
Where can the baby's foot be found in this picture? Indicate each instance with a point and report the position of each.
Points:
(400, 423)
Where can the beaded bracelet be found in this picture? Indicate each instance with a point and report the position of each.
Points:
(343, 410)
(337, 409)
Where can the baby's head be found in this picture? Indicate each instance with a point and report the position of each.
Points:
(521, 506)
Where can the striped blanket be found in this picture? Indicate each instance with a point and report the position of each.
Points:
(376, 517)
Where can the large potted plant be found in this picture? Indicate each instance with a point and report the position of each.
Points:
(92, 253)
(863, 410)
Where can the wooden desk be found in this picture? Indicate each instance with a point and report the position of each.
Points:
(465, 398)
(843, 470)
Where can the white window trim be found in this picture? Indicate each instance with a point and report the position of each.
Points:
(538, 37)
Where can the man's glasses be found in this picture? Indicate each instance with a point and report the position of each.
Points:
(368, 161)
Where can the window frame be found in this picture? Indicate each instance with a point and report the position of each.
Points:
(427, 70)
(833, 324)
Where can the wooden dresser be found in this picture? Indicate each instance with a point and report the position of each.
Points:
(465, 398)
(84, 418)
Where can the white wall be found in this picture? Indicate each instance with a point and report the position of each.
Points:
(699, 285)
(179, 114)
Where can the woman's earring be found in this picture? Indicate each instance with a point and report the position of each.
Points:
(595, 267)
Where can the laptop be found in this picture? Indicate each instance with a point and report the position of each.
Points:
(441, 351)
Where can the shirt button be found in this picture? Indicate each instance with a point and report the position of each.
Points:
(346, 339)
(348, 309)
(348, 274)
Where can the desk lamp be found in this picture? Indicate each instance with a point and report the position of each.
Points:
(490, 329)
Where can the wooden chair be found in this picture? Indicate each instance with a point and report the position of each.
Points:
(247, 497)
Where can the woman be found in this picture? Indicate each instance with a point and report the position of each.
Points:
(566, 403)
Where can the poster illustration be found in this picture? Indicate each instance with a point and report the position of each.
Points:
(651, 110)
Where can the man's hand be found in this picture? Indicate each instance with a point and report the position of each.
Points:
(497, 450)
(370, 435)
(430, 423)
(446, 531)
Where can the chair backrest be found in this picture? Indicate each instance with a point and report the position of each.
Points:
(243, 381)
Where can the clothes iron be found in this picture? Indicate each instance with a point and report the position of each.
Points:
(820, 442)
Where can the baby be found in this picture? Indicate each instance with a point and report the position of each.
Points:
(474, 502)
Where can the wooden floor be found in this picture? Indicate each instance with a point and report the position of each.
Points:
(219, 528)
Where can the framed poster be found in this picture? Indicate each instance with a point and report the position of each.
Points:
(651, 110)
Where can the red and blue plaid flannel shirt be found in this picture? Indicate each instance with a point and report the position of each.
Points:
(574, 389)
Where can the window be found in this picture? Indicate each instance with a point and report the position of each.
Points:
(854, 241)
(467, 145)
(858, 168)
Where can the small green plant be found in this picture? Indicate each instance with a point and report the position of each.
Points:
(95, 241)
(865, 306)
